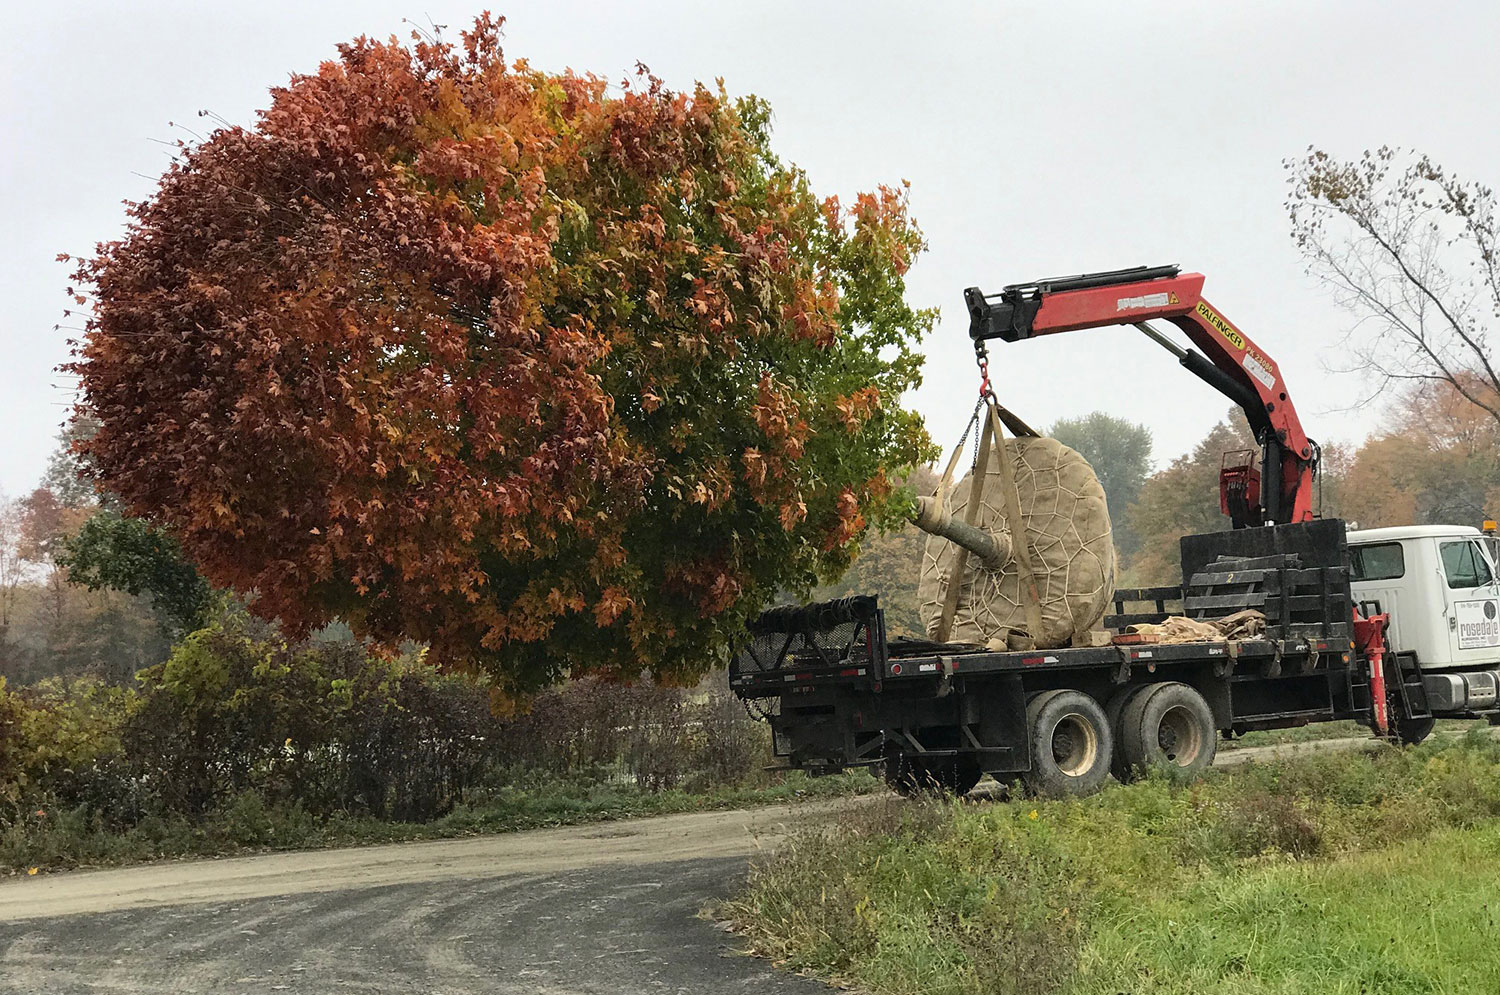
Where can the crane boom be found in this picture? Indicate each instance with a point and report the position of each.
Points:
(1280, 490)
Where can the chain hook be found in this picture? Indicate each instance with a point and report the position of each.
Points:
(982, 357)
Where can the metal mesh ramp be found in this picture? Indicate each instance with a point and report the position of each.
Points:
(827, 634)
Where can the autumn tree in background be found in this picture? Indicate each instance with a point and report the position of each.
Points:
(1332, 490)
(46, 523)
(1438, 464)
(1410, 248)
(1182, 499)
(49, 626)
(553, 376)
(1120, 453)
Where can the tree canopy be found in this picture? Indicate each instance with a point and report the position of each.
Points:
(1120, 453)
(1183, 499)
(129, 555)
(1410, 248)
(549, 374)
(1439, 463)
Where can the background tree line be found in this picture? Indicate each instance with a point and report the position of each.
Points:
(87, 593)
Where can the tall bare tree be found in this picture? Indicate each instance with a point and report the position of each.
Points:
(1411, 249)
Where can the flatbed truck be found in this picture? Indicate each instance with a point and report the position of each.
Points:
(839, 694)
(1390, 628)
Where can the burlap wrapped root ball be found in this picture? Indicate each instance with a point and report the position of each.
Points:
(1066, 522)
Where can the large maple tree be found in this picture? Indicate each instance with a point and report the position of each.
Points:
(553, 375)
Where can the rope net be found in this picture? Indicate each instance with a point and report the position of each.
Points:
(1066, 522)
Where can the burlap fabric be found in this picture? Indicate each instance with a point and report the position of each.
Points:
(1067, 525)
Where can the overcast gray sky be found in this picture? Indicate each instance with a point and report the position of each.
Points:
(1040, 139)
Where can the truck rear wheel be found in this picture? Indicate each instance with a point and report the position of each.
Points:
(1071, 744)
(1113, 711)
(1166, 723)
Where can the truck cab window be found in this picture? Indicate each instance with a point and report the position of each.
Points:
(1464, 565)
(1381, 561)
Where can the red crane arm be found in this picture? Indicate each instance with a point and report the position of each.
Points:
(1229, 361)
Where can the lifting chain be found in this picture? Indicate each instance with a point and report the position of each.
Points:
(986, 393)
(982, 358)
(975, 420)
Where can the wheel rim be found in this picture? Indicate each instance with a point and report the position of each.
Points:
(1075, 745)
(1179, 737)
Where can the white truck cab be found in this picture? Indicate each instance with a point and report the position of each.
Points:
(1439, 585)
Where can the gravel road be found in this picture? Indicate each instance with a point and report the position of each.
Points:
(609, 909)
(609, 929)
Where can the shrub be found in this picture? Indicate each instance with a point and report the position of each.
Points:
(659, 736)
(581, 728)
(12, 744)
(60, 747)
(254, 738)
(320, 725)
(1257, 822)
(729, 746)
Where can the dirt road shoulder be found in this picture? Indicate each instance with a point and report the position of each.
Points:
(660, 839)
(637, 841)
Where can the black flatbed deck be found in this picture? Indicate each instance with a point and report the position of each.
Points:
(838, 693)
(1229, 656)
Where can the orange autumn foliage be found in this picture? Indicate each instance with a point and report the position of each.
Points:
(552, 376)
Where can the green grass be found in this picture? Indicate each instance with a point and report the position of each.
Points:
(1420, 918)
(1351, 872)
(51, 840)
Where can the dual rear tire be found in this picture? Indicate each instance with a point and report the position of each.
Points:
(1076, 744)
(1071, 744)
(1166, 724)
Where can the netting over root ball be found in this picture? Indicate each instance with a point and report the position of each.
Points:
(1066, 523)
